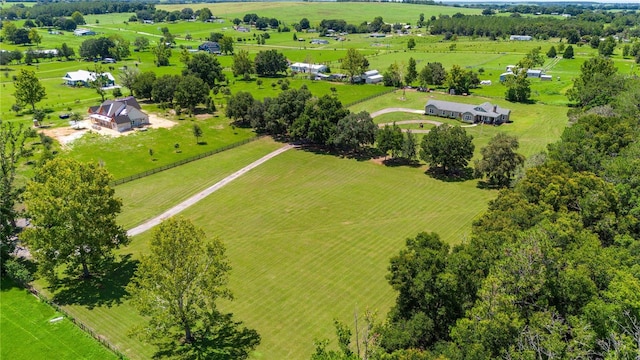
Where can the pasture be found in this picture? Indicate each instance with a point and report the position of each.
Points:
(28, 334)
(309, 235)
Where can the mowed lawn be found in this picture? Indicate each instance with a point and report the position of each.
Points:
(26, 333)
(310, 236)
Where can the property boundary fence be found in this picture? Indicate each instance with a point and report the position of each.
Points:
(182, 162)
(371, 97)
(102, 340)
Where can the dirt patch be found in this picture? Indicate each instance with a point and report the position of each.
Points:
(68, 134)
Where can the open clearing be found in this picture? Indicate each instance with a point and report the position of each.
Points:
(27, 334)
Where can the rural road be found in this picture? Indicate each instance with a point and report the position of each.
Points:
(204, 193)
(398, 109)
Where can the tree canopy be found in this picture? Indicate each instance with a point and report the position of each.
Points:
(499, 160)
(29, 90)
(177, 286)
(73, 216)
(447, 147)
(270, 63)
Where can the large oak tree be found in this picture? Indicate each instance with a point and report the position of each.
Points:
(177, 285)
(73, 216)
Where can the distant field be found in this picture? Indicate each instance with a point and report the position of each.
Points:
(27, 333)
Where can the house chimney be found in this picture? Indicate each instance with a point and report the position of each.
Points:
(495, 107)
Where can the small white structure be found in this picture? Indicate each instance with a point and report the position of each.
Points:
(485, 82)
(308, 68)
(84, 78)
(83, 32)
(520, 38)
(534, 73)
(372, 77)
(546, 77)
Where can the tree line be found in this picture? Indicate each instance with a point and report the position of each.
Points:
(65, 9)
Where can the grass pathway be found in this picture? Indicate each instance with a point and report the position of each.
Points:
(204, 193)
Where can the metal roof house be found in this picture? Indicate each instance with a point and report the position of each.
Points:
(210, 46)
(486, 113)
(84, 78)
(308, 68)
(83, 32)
(119, 114)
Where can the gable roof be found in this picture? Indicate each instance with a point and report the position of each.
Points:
(86, 76)
(120, 110)
(484, 109)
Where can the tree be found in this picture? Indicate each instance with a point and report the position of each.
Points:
(518, 88)
(73, 213)
(167, 38)
(597, 84)
(270, 63)
(411, 43)
(21, 36)
(100, 82)
(77, 18)
(128, 77)
(141, 43)
(390, 138)
(448, 147)
(552, 52)
(354, 63)
(197, 132)
(191, 91)
(162, 53)
(34, 36)
(242, 64)
(120, 49)
(204, 14)
(66, 51)
(304, 23)
(432, 74)
(143, 85)
(8, 30)
(177, 286)
(238, 107)
(409, 146)
(12, 139)
(355, 131)
(459, 79)
(98, 48)
(412, 73)
(499, 160)
(532, 59)
(206, 67)
(164, 88)
(29, 90)
(606, 47)
(226, 45)
(393, 76)
(568, 53)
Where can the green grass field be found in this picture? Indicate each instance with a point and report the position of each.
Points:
(26, 333)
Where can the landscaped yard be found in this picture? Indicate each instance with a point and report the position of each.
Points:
(27, 332)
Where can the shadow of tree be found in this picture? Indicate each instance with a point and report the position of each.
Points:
(105, 289)
(395, 162)
(220, 338)
(458, 175)
(363, 154)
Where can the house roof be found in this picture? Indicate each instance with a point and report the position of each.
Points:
(120, 110)
(308, 66)
(86, 76)
(371, 73)
(375, 77)
(484, 109)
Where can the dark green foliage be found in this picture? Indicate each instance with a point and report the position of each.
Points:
(447, 147)
(270, 63)
(499, 160)
(206, 67)
(97, 48)
(143, 85)
(597, 84)
(390, 138)
(164, 88)
(432, 74)
(518, 88)
(355, 131)
(568, 53)
(238, 107)
(190, 92)
(552, 52)
(319, 120)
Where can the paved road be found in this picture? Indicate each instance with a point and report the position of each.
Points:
(204, 193)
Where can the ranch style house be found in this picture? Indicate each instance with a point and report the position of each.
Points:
(119, 114)
(486, 113)
(85, 78)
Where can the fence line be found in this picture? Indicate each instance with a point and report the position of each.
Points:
(182, 162)
(371, 97)
(102, 340)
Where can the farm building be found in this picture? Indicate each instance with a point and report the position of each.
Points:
(119, 114)
(484, 113)
(211, 46)
(319, 42)
(83, 32)
(84, 78)
(534, 73)
(308, 68)
(520, 38)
